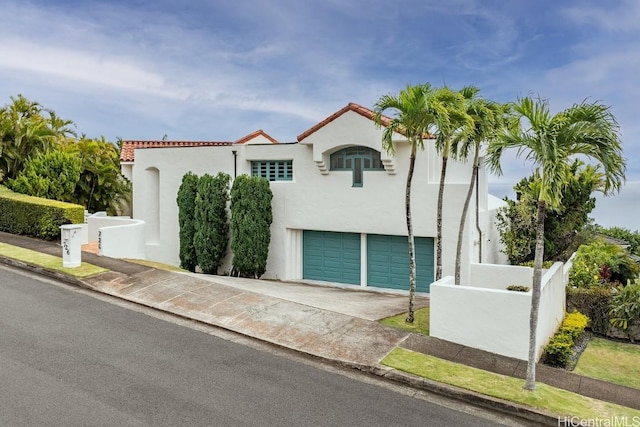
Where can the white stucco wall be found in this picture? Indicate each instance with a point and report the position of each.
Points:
(123, 240)
(491, 276)
(100, 219)
(493, 320)
(486, 316)
(316, 198)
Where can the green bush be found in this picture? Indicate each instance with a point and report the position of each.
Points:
(186, 219)
(574, 324)
(33, 216)
(251, 218)
(625, 311)
(545, 264)
(595, 303)
(560, 348)
(52, 175)
(518, 288)
(211, 221)
(599, 262)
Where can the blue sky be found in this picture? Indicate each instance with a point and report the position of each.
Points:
(214, 70)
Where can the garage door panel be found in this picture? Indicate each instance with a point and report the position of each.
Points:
(331, 256)
(388, 262)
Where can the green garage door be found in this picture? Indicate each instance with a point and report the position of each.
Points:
(388, 262)
(329, 256)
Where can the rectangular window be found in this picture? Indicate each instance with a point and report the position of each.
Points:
(357, 173)
(273, 170)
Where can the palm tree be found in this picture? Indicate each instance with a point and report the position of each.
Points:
(551, 141)
(419, 110)
(62, 127)
(458, 124)
(488, 120)
(25, 133)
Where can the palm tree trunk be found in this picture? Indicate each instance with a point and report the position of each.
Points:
(443, 174)
(412, 256)
(463, 217)
(530, 382)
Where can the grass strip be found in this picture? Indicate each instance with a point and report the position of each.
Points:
(47, 261)
(420, 323)
(612, 361)
(544, 397)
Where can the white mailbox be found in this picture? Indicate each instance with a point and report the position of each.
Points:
(71, 240)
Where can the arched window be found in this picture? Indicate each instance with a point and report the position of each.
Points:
(356, 159)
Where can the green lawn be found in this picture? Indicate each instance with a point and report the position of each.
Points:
(549, 399)
(48, 261)
(612, 361)
(420, 323)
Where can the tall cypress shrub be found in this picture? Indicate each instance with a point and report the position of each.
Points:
(251, 218)
(186, 218)
(211, 221)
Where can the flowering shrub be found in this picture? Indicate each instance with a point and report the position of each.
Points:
(598, 263)
(560, 348)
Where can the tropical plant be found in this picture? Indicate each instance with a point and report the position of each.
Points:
(488, 119)
(625, 311)
(26, 131)
(631, 237)
(186, 219)
(600, 263)
(251, 218)
(457, 124)
(52, 175)
(419, 111)
(101, 186)
(566, 226)
(211, 221)
(551, 142)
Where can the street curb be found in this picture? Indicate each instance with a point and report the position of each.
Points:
(381, 371)
(71, 280)
(477, 399)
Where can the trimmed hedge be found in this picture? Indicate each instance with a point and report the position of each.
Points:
(34, 216)
(595, 303)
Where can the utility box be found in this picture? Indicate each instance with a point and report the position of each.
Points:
(71, 240)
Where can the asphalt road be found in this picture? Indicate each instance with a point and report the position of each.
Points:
(70, 358)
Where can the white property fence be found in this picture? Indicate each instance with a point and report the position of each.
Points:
(486, 316)
(117, 236)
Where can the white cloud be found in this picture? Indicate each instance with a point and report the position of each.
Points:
(108, 72)
(618, 16)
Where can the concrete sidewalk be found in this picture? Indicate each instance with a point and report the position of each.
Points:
(335, 324)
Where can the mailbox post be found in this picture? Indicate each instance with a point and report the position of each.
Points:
(71, 240)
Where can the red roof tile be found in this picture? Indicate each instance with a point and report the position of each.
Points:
(255, 134)
(129, 147)
(363, 111)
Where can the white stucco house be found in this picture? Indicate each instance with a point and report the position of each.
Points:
(338, 201)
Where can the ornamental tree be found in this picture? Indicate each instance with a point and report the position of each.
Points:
(251, 218)
(186, 218)
(211, 221)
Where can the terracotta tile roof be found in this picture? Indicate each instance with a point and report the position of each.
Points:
(128, 147)
(363, 111)
(252, 135)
